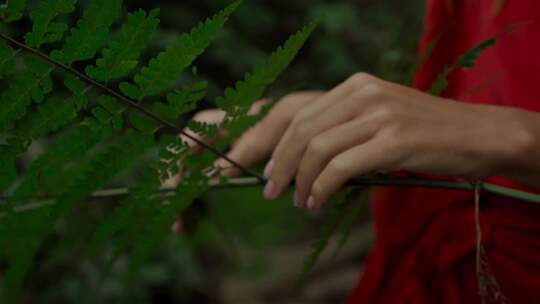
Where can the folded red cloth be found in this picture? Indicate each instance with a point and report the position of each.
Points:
(425, 238)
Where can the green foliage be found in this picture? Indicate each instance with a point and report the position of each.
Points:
(45, 30)
(32, 84)
(238, 100)
(120, 57)
(164, 70)
(7, 64)
(91, 32)
(333, 222)
(12, 10)
(94, 141)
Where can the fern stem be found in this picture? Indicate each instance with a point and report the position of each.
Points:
(360, 182)
(131, 103)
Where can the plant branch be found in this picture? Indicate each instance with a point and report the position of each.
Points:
(130, 103)
(360, 182)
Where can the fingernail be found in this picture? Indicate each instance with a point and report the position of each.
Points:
(297, 200)
(270, 190)
(268, 168)
(311, 202)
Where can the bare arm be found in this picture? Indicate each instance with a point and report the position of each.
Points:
(366, 124)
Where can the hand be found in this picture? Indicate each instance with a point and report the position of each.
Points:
(256, 145)
(367, 124)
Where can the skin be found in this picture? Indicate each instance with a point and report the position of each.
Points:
(365, 124)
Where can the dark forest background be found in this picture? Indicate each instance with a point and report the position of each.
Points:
(235, 247)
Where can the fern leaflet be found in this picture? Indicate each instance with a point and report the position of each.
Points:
(91, 32)
(164, 70)
(44, 29)
(32, 84)
(12, 10)
(120, 57)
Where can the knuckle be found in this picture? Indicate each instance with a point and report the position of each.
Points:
(338, 168)
(387, 112)
(299, 125)
(294, 100)
(372, 90)
(317, 147)
(361, 77)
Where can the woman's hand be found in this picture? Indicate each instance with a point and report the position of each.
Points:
(256, 145)
(367, 124)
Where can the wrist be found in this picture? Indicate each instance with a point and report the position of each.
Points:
(515, 141)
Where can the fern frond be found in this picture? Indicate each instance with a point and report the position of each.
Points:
(44, 29)
(128, 216)
(31, 84)
(120, 57)
(12, 10)
(158, 227)
(91, 32)
(96, 173)
(163, 71)
(74, 143)
(350, 217)
(55, 113)
(238, 100)
(8, 172)
(182, 101)
(20, 248)
(107, 117)
(7, 62)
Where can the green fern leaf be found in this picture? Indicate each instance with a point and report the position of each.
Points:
(158, 227)
(97, 172)
(91, 32)
(238, 100)
(120, 58)
(104, 166)
(55, 113)
(7, 61)
(44, 29)
(334, 220)
(143, 123)
(32, 84)
(163, 71)
(130, 216)
(181, 102)
(74, 143)
(12, 10)
(20, 248)
(350, 217)
(8, 172)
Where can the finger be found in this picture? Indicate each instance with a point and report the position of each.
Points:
(324, 147)
(248, 151)
(374, 155)
(288, 153)
(257, 143)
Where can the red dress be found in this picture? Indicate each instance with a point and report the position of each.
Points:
(425, 238)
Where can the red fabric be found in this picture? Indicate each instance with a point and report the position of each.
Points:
(425, 238)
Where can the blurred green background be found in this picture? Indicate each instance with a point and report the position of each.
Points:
(235, 247)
